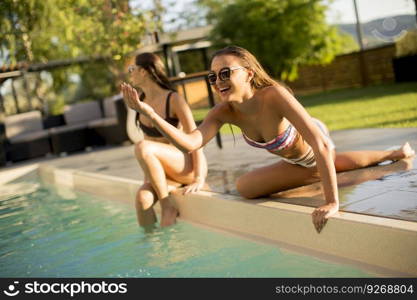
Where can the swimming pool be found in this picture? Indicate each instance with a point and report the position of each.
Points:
(54, 231)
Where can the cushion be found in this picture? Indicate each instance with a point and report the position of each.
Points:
(23, 123)
(103, 122)
(67, 128)
(82, 112)
(30, 136)
(110, 107)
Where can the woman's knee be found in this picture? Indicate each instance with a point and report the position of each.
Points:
(145, 197)
(143, 149)
(245, 189)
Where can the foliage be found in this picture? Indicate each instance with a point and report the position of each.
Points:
(212, 8)
(407, 45)
(348, 43)
(41, 31)
(58, 29)
(282, 34)
(191, 61)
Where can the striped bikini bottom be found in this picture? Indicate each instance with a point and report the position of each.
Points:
(308, 160)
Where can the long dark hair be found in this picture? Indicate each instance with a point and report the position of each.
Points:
(153, 64)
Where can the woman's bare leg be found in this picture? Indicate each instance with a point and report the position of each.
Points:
(145, 199)
(344, 179)
(159, 161)
(274, 178)
(359, 159)
(282, 176)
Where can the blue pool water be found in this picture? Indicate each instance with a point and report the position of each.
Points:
(48, 231)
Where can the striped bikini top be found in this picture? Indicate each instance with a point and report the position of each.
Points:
(283, 141)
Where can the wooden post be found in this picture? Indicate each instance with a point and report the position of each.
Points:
(168, 59)
(2, 107)
(362, 63)
(16, 102)
(2, 133)
(184, 90)
(212, 103)
(323, 78)
(415, 3)
(26, 88)
(176, 66)
(205, 58)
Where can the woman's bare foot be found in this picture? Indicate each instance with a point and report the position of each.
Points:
(168, 214)
(404, 152)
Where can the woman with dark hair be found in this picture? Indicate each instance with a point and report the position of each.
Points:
(159, 159)
(272, 119)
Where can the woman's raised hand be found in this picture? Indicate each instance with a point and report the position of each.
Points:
(131, 98)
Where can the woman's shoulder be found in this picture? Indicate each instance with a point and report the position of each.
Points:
(176, 99)
(271, 94)
(222, 108)
(221, 112)
(270, 91)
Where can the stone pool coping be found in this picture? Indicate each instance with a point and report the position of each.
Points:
(383, 246)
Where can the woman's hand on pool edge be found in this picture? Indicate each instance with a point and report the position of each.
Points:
(131, 98)
(195, 186)
(321, 214)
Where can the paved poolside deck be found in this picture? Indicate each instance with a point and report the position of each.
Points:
(384, 244)
(388, 191)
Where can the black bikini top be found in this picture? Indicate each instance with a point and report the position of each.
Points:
(152, 131)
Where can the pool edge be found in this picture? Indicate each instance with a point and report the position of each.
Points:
(388, 246)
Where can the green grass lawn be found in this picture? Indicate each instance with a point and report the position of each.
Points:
(390, 105)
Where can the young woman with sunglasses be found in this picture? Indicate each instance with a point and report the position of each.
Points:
(159, 159)
(270, 118)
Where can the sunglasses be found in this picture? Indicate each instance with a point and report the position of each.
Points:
(132, 68)
(224, 74)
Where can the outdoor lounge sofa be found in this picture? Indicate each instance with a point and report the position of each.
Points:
(81, 125)
(85, 125)
(111, 129)
(26, 137)
(74, 135)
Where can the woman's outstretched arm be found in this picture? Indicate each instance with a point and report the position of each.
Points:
(186, 142)
(289, 108)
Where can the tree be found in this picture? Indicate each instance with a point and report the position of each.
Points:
(407, 45)
(283, 34)
(348, 43)
(210, 9)
(40, 31)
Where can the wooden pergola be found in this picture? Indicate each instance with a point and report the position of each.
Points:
(21, 69)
